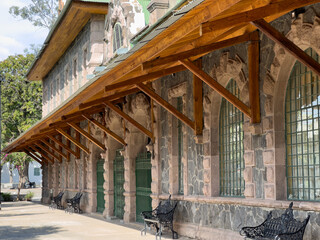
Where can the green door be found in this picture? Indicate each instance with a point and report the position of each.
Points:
(100, 182)
(118, 185)
(143, 184)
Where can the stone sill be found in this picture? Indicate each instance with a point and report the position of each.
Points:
(264, 203)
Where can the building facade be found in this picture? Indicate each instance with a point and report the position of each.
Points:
(229, 176)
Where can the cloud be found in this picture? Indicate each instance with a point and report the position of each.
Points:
(10, 42)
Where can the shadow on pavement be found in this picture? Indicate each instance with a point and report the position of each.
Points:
(18, 215)
(11, 233)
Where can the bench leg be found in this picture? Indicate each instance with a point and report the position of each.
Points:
(144, 229)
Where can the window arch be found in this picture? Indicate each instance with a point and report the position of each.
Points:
(231, 146)
(117, 37)
(302, 133)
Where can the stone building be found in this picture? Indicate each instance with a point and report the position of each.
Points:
(146, 98)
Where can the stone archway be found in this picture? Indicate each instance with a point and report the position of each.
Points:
(304, 35)
(226, 70)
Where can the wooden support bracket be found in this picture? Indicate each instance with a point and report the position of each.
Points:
(87, 135)
(288, 45)
(103, 128)
(44, 156)
(129, 119)
(75, 142)
(217, 87)
(33, 156)
(61, 144)
(46, 150)
(53, 147)
(254, 89)
(166, 105)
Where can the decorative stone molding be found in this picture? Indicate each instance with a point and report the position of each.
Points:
(226, 70)
(157, 4)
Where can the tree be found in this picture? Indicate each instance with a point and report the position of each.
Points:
(41, 13)
(21, 105)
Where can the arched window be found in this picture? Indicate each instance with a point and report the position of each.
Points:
(231, 147)
(302, 133)
(117, 37)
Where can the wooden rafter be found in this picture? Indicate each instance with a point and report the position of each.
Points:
(145, 77)
(44, 156)
(33, 156)
(73, 140)
(103, 128)
(254, 90)
(129, 119)
(217, 87)
(53, 147)
(166, 105)
(288, 45)
(197, 102)
(61, 144)
(53, 150)
(108, 98)
(87, 135)
(46, 150)
(195, 52)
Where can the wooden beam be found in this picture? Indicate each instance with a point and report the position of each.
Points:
(74, 141)
(38, 144)
(197, 102)
(53, 147)
(106, 130)
(289, 46)
(274, 7)
(166, 105)
(61, 144)
(87, 135)
(144, 78)
(108, 98)
(129, 119)
(195, 52)
(217, 87)
(43, 155)
(254, 88)
(32, 156)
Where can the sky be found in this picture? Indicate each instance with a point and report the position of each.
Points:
(17, 35)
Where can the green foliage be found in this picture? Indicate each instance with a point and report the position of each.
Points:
(21, 103)
(6, 197)
(41, 13)
(29, 196)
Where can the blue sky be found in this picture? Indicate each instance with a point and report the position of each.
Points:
(17, 35)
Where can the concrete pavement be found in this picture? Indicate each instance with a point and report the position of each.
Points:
(30, 220)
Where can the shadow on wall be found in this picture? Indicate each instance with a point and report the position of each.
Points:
(26, 233)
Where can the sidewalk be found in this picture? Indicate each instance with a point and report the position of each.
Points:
(30, 220)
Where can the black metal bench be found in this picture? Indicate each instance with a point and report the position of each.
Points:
(56, 201)
(73, 204)
(160, 218)
(283, 227)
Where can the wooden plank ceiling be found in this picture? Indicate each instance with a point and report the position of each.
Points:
(207, 27)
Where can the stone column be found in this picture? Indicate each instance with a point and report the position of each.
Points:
(45, 190)
(76, 173)
(66, 175)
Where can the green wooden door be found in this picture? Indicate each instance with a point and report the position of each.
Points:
(118, 185)
(100, 182)
(143, 184)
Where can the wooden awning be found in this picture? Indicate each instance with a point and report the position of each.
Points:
(194, 30)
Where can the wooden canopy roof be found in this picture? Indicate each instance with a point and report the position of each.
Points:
(197, 28)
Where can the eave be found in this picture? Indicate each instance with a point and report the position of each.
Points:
(200, 24)
(71, 21)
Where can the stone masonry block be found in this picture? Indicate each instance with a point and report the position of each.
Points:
(206, 163)
(268, 106)
(247, 142)
(267, 124)
(249, 159)
(206, 135)
(270, 174)
(269, 191)
(269, 139)
(206, 176)
(249, 191)
(206, 149)
(248, 175)
(255, 128)
(268, 157)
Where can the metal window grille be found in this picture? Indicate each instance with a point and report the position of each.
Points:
(118, 176)
(180, 146)
(117, 37)
(302, 133)
(231, 147)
